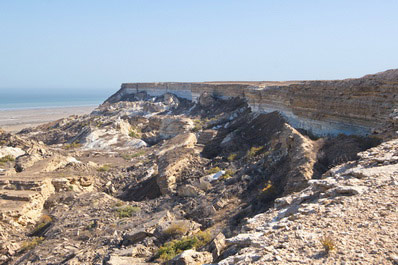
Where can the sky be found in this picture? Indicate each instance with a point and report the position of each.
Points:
(92, 46)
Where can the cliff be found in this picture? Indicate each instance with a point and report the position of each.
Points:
(350, 106)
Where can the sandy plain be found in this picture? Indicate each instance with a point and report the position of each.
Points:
(15, 120)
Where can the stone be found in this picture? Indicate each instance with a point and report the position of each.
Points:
(171, 127)
(135, 237)
(121, 260)
(189, 191)
(11, 151)
(217, 245)
(60, 184)
(191, 257)
(244, 240)
(206, 100)
(346, 190)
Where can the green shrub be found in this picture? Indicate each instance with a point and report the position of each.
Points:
(104, 168)
(198, 125)
(232, 157)
(176, 228)
(130, 156)
(228, 174)
(28, 245)
(7, 158)
(171, 249)
(135, 132)
(126, 211)
(254, 151)
(213, 170)
(72, 145)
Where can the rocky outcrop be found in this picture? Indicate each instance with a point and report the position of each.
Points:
(351, 106)
(347, 216)
(161, 179)
(191, 257)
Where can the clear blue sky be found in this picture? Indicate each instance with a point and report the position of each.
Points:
(96, 45)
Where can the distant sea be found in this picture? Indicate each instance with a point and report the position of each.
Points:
(18, 101)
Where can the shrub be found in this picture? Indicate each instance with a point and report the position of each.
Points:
(104, 168)
(135, 132)
(130, 156)
(232, 157)
(198, 125)
(176, 228)
(171, 249)
(72, 145)
(228, 174)
(213, 170)
(254, 151)
(43, 221)
(7, 158)
(328, 244)
(126, 211)
(28, 245)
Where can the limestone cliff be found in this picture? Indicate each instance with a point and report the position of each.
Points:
(350, 106)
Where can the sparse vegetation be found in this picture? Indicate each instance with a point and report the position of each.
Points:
(104, 168)
(28, 245)
(228, 174)
(171, 249)
(98, 124)
(126, 211)
(72, 145)
(198, 125)
(135, 132)
(213, 170)
(43, 221)
(176, 228)
(118, 204)
(328, 244)
(7, 158)
(130, 156)
(232, 157)
(254, 151)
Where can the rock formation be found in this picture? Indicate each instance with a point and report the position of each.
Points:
(200, 173)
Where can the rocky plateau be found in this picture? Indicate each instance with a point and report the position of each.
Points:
(209, 173)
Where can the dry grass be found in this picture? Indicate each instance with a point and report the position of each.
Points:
(176, 228)
(232, 157)
(328, 244)
(28, 245)
(254, 151)
(126, 211)
(171, 249)
(213, 170)
(104, 168)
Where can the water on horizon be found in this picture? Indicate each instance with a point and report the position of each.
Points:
(18, 101)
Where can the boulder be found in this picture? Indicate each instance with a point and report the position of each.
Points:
(11, 151)
(191, 257)
(189, 191)
(170, 167)
(206, 100)
(171, 127)
(135, 237)
(217, 245)
(187, 140)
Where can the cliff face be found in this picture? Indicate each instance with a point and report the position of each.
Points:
(350, 106)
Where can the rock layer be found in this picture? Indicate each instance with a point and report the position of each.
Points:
(350, 106)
